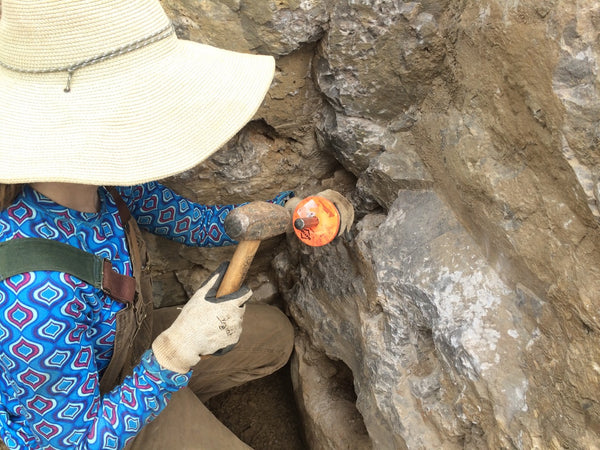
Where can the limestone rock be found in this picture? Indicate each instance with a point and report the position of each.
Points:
(327, 401)
(256, 165)
(575, 84)
(465, 134)
(354, 141)
(211, 22)
(293, 90)
(378, 57)
(384, 161)
(421, 326)
(262, 26)
(281, 27)
(393, 171)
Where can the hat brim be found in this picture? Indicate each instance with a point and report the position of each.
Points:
(142, 116)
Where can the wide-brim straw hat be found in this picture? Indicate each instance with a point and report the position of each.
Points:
(103, 92)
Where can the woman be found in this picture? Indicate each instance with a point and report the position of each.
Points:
(102, 93)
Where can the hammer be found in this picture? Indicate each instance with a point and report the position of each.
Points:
(249, 224)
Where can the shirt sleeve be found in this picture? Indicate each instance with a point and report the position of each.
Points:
(161, 211)
(50, 381)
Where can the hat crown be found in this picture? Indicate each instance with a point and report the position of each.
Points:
(43, 34)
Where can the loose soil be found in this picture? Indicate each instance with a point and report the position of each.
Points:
(262, 413)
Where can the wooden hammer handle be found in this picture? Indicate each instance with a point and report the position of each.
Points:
(238, 267)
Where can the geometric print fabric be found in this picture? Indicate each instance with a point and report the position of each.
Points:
(57, 332)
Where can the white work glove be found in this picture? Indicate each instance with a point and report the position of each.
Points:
(205, 325)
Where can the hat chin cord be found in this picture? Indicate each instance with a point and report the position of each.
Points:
(71, 68)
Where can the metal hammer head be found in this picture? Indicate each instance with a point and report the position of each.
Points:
(257, 221)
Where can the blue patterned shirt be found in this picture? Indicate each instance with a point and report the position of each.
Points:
(57, 332)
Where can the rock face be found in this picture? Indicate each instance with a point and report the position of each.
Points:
(462, 309)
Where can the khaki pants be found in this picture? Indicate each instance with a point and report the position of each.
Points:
(265, 346)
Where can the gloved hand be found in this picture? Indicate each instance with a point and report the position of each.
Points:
(344, 207)
(205, 325)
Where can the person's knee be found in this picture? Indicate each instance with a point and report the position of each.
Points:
(286, 333)
(277, 329)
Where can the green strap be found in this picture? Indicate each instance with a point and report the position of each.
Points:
(31, 254)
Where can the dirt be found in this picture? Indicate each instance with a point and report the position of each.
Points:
(262, 413)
